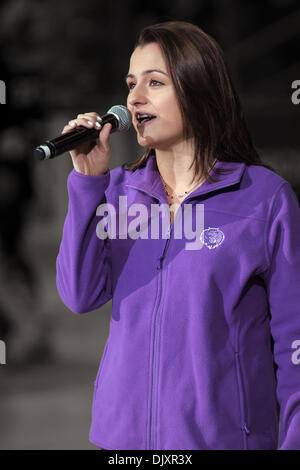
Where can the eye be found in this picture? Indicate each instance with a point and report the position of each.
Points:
(156, 81)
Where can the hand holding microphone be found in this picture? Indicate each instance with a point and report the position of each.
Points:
(91, 157)
(87, 139)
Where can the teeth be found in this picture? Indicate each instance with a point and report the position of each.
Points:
(143, 116)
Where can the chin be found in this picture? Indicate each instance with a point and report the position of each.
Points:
(146, 141)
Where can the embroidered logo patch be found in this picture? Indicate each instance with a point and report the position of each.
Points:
(212, 237)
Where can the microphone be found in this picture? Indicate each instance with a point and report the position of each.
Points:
(118, 116)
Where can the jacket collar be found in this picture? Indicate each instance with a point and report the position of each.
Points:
(148, 180)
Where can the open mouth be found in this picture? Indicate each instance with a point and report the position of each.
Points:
(143, 118)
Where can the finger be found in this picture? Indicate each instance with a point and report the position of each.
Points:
(104, 135)
(67, 128)
(87, 122)
(93, 116)
(92, 113)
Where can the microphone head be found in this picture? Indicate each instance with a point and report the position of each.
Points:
(123, 116)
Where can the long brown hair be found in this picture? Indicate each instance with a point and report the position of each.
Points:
(211, 110)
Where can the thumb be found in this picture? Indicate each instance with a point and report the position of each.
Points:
(104, 135)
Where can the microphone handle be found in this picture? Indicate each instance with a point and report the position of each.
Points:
(72, 139)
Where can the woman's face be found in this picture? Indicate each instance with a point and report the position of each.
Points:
(151, 92)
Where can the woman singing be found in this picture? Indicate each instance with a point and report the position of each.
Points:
(204, 344)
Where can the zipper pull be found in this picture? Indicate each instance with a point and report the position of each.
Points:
(159, 263)
(160, 259)
(246, 429)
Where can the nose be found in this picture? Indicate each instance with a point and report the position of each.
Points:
(137, 96)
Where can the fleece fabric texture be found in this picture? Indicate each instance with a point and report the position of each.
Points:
(203, 350)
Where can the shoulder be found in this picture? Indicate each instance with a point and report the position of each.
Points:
(120, 175)
(261, 177)
(265, 189)
(264, 182)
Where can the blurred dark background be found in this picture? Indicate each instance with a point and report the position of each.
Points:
(61, 58)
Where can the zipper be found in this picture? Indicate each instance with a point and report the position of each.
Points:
(159, 267)
(154, 358)
(243, 406)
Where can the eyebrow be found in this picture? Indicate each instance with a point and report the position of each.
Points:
(146, 72)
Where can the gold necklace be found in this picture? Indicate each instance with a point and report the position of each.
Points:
(185, 192)
(176, 195)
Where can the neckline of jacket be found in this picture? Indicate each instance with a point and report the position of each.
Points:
(147, 179)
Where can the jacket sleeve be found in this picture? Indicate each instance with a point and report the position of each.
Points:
(282, 245)
(83, 264)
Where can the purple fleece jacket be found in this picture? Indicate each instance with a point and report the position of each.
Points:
(204, 344)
